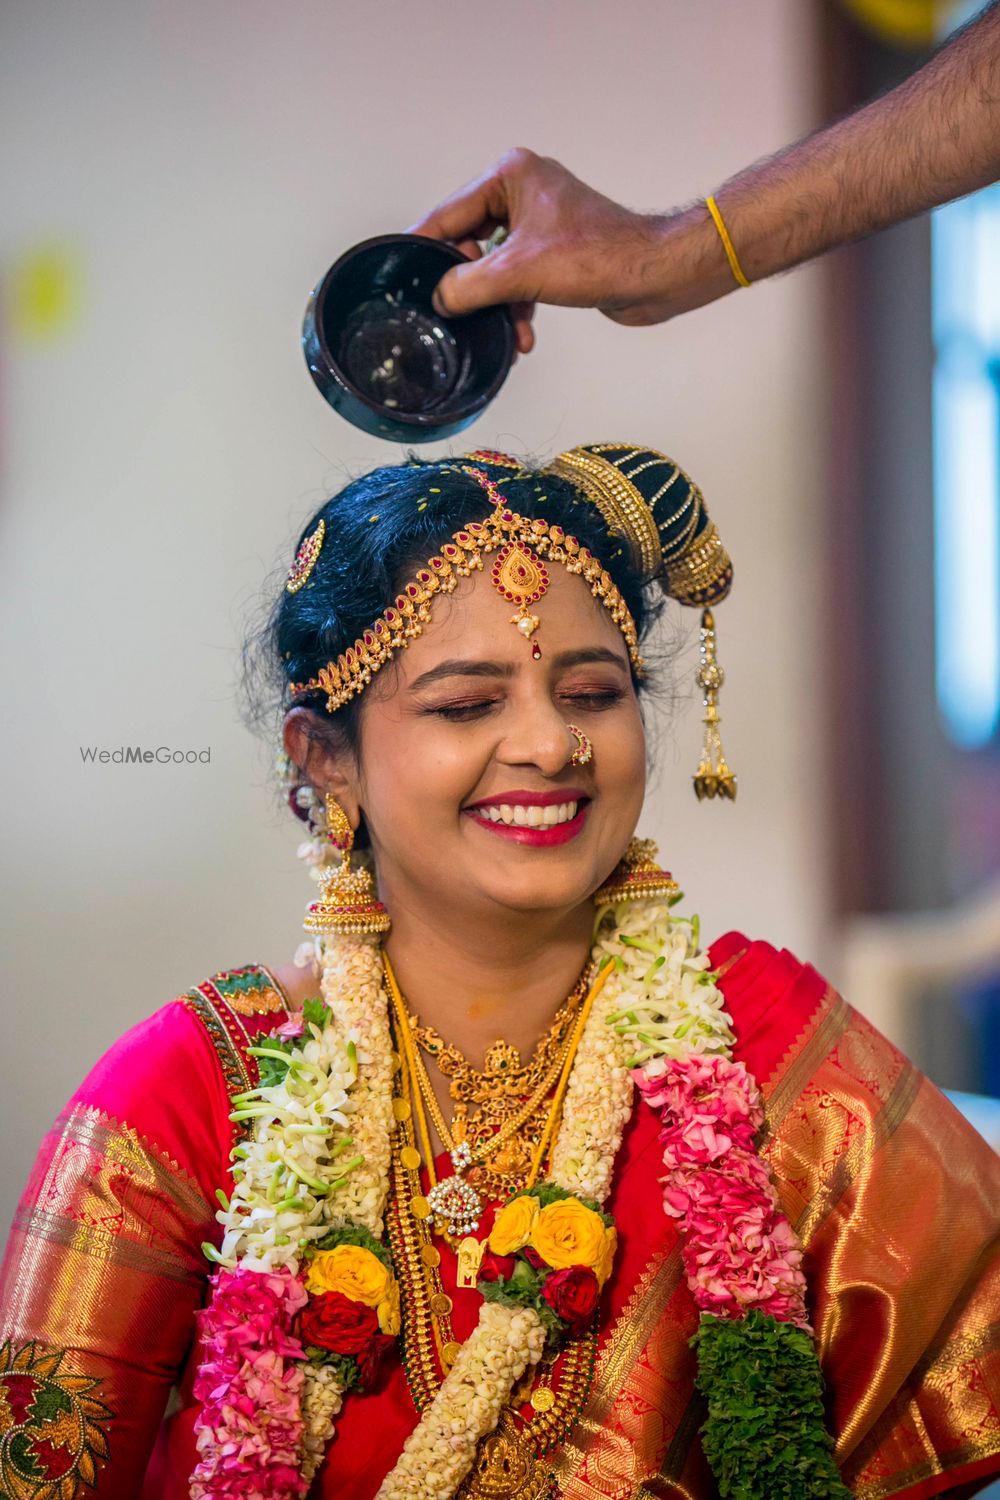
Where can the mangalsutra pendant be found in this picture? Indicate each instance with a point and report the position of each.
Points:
(455, 1204)
(470, 1258)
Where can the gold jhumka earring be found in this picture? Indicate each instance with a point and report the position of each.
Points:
(349, 903)
(637, 877)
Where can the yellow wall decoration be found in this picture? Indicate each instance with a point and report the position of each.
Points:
(44, 291)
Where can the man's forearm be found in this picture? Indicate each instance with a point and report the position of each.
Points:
(932, 139)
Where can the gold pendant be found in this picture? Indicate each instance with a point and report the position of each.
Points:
(470, 1258)
(506, 1467)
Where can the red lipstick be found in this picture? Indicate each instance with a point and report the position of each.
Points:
(532, 799)
(536, 838)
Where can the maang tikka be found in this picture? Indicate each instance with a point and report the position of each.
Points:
(518, 573)
(349, 903)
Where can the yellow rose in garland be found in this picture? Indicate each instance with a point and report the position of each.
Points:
(602, 1270)
(351, 1270)
(513, 1225)
(388, 1311)
(567, 1233)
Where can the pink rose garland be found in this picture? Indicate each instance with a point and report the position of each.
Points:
(739, 1249)
(250, 1387)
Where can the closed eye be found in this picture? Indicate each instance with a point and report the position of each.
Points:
(459, 712)
(477, 708)
(605, 699)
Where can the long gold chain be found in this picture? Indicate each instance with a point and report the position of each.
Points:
(428, 1343)
(426, 1305)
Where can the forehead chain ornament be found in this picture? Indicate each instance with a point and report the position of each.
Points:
(518, 573)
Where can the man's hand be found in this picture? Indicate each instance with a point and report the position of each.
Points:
(566, 244)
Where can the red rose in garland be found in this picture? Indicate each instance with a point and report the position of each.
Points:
(573, 1295)
(335, 1322)
(495, 1266)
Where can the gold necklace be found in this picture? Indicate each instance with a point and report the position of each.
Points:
(456, 1201)
(453, 1204)
(492, 1150)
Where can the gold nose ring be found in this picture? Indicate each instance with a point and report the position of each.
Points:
(584, 752)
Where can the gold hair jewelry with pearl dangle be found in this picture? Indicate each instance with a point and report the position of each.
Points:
(713, 777)
(306, 559)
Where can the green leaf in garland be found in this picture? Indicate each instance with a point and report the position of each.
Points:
(765, 1437)
(272, 1070)
(347, 1369)
(315, 1010)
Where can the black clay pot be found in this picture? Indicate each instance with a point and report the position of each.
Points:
(385, 360)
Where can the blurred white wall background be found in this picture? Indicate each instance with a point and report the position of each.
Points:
(202, 166)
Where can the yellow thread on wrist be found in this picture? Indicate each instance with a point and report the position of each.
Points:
(727, 243)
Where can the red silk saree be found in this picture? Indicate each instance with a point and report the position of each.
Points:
(896, 1199)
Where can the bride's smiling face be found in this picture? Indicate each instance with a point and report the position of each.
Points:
(463, 770)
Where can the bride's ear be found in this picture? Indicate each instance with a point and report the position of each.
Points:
(324, 757)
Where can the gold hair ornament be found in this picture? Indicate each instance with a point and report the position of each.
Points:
(649, 501)
(671, 541)
(349, 903)
(624, 508)
(713, 777)
(305, 559)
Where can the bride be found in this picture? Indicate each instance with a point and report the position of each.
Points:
(507, 1186)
